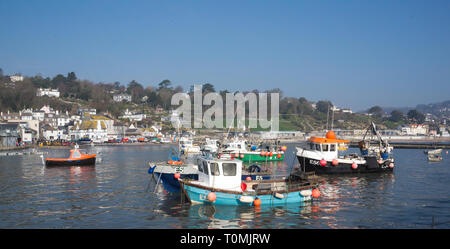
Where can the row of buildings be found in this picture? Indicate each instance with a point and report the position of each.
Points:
(30, 126)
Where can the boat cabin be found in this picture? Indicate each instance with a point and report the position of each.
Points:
(235, 146)
(220, 173)
(327, 147)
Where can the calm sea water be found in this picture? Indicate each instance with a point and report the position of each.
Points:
(118, 193)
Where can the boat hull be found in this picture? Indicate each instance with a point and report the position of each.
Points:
(256, 157)
(198, 195)
(371, 166)
(172, 185)
(71, 162)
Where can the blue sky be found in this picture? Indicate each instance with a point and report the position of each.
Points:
(355, 53)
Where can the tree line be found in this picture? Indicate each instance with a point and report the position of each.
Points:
(21, 95)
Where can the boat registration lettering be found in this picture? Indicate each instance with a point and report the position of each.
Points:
(258, 178)
(315, 162)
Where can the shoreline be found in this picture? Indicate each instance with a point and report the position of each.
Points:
(400, 143)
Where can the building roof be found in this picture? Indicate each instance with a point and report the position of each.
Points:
(90, 124)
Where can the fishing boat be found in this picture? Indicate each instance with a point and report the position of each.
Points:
(211, 145)
(220, 182)
(76, 158)
(180, 166)
(322, 155)
(241, 150)
(434, 157)
(186, 145)
(429, 152)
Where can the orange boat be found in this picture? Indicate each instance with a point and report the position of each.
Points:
(76, 159)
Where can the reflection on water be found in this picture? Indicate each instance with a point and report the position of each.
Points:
(118, 193)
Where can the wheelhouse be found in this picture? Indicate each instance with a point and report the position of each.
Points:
(224, 173)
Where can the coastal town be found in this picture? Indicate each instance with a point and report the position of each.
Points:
(50, 126)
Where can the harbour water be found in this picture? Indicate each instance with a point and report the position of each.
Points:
(118, 193)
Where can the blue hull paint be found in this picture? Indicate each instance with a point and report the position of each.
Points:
(198, 195)
(172, 185)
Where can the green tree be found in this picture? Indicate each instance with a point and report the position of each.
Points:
(71, 76)
(323, 106)
(164, 84)
(208, 88)
(396, 116)
(376, 110)
(416, 116)
(136, 90)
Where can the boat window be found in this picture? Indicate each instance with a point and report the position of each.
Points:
(200, 167)
(318, 147)
(332, 147)
(214, 169)
(229, 169)
(311, 146)
(76, 154)
(239, 146)
(325, 147)
(205, 167)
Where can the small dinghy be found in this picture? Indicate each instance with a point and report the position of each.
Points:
(76, 158)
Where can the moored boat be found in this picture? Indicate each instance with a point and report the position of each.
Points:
(186, 166)
(239, 149)
(220, 182)
(434, 157)
(321, 156)
(76, 158)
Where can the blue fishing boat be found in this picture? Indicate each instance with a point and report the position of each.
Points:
(180, 166)
(220, 182)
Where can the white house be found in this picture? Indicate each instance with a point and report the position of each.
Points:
(121, 97)
(62, 120)
(93, 129)
(415, 129)
(133, 116)
(49, 133)
(16, 78)
(48, 91)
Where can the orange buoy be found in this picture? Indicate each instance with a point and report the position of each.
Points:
(211, 196)
(257, 202)
(391, 165)
(335, 162)
(242, 155)
(331, 135)
(176, 175)
(248, 178)
(278, 155)
(380, 161)
(267, 153)
(323, 162)
(283, 148)
(236, 155)
(262, 153)
(271, 153)
(354, 165)
(315, 193)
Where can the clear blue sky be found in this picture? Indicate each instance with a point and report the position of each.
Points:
(355, 53)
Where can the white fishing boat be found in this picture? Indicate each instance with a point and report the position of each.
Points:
(186, 145)
(220, 182)
(211, 145)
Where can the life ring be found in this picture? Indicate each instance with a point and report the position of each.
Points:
(174, 162)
